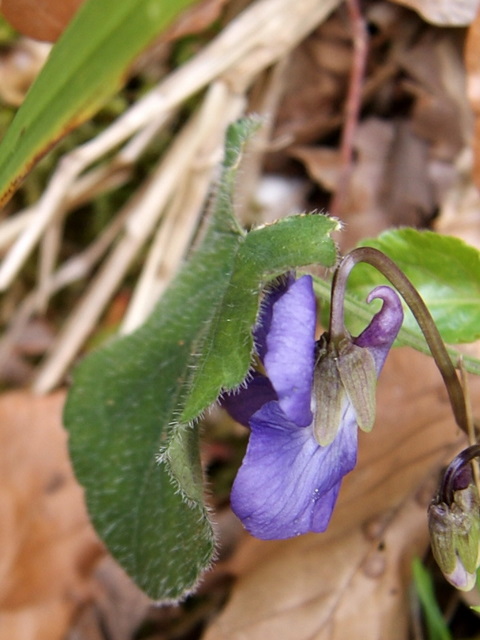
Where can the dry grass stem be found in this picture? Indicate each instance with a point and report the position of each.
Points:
(50, 246)
(12, 227)
(264, 101)
(72, 270)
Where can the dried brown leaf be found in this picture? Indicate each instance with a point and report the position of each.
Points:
(19, 66)
(315, 83)
(40, 19)
(322, 163)
(118, 607)
(436, 72)
(350, 586)
(48, 545)
(452, 13)
(460, 211)
(352, 581)
(46, 19)
(407, 194)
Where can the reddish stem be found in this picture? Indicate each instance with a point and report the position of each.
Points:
(352, 105)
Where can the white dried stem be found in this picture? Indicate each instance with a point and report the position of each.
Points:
(87, 187)
(142, 302)
(73, 270)
(49, 251)
(12, 227)
(265, 103)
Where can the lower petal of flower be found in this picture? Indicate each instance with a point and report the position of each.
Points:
(288, 484)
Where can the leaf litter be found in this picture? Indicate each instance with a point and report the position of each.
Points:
(413, 160)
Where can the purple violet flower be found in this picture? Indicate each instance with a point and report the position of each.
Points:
(288, 483)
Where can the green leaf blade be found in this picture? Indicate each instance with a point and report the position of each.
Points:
(445, 271)
(119, 421)
(434, 621)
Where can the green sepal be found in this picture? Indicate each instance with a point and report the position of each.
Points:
(465, 513)
(346, 374)
(329, 396)
(356, 367)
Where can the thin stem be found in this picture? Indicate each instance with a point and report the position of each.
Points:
(353, 104)
(398, 279)
(472, 440)
(452, 478)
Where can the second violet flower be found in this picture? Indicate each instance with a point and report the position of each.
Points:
(288, 482)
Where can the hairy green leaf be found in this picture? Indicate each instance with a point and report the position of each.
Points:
(133, 403)
(266, 252)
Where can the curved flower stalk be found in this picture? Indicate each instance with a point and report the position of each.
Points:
(303, 413)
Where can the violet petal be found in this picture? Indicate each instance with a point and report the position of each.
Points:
(265, 313)
(242, 403)
(380, 334)
(289, 359)
(287, 484)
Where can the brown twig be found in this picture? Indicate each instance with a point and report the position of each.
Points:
(352, 104)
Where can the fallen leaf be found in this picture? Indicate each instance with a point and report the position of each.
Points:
(351, 586)
(451, 13)
(19, 66)
(117, 609)
(460, 212)
(48, 546)
(315, 83)
(322, 163)
(436, 80)
(407, 192)
(47, 19)
(390, 182)
(40, 19)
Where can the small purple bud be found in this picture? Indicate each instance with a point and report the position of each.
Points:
(455, 537)
(454, 522)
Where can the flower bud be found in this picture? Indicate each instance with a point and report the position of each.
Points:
(455, 536)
